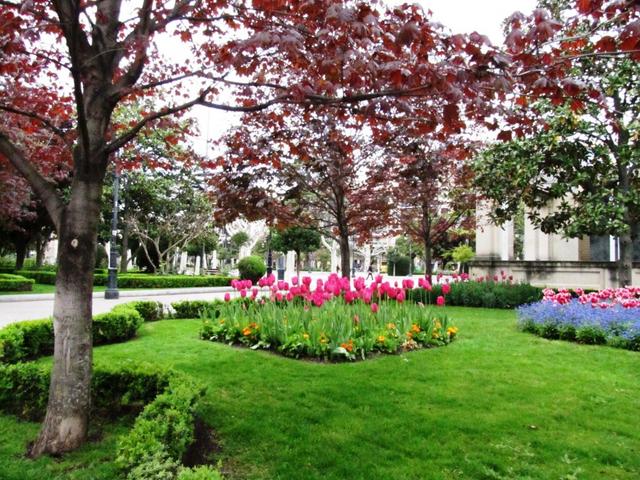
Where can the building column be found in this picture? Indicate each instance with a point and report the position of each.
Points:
(488, 241)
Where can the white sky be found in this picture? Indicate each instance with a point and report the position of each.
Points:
(461, 16)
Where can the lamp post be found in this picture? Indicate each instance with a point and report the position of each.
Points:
(269, 255)
(111, 292)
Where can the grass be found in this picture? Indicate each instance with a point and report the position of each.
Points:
(495, 404)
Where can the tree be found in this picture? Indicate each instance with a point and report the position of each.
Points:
(67, 65)
(576, 124)
(434, 194)
(300, 240)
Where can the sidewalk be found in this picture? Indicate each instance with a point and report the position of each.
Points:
(14, 308)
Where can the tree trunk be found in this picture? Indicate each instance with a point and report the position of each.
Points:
(65, 424)
(124, 258)
(428, 270)
(345, 255)
(625, 263)
(21, 253)
(298, 261)
(41, 244)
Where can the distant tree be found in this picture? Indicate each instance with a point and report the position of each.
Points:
(298, 239)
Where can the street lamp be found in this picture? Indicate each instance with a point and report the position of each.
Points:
(111, 292)
(269, 255)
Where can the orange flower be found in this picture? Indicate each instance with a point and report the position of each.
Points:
(347, 346)
(246, 331)
(381, 339)
(391, 326)
(415, 328)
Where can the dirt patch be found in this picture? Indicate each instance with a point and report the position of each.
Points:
(205, 448)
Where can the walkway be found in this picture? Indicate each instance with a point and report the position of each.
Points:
(30, 307)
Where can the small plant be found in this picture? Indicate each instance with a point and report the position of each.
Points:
(251, 268)
(606, 317)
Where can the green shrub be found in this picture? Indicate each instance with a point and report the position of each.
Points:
(480, 294)
(196, 308)
(24, 388)
(398, 265)
(40, 276)
(102, 258)
(34, 338)
(139, 280)
(591, 335)
(203, 472)
(15, 283)
(118, 325)
(252, 268)
(163, 431)
(149, 310)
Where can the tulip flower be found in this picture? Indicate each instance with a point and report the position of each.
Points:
(440, 301)
(227, 297)
(374, 307)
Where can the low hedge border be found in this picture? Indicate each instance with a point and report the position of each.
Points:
(139, 280)
(15, 283)
(161, 434)
(480, 294)
(24, 388)
(34, 338)
(186, 309)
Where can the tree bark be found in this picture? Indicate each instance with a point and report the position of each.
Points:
(345, 255)
(124, 257)
(65, 425)
(21, 253)
(428, 270)
(298, 261)
(41, 244)
(625, 263)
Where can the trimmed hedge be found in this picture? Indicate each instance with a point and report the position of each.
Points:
(161, 435)
(140, 280)
(481, 294)
(186, 309)
(15, 283)
(34, 338)
(150, 310)
(24, 388)
(251, 268)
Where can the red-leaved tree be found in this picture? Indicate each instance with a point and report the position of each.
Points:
(86, 58)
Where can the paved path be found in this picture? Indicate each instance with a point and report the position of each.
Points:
(30, 307)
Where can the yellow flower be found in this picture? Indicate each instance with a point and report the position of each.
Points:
(381, 338)
(305, 336)
(222, 321)
(452, 330)
(438, 324)
(391, 326)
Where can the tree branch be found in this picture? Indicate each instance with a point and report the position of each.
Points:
(47, 123)
(43, 188)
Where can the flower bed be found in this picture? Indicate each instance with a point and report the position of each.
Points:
(328, 321)
(610, 316)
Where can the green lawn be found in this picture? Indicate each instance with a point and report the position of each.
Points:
(495, 404)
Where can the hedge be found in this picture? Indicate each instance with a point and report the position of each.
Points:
(15, 283)
(185, 309)
(139, 280)
(161, 434)
(24, 388)
(480, 294)
(34, 338)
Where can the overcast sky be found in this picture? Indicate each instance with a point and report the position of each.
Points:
(461, 16)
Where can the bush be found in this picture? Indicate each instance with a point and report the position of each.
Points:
(480, 294)
(15, 283)
(32, 339)
(26, 340)
(149, 310)
(162, 432)
(118, 325)
(24, 388)
(140, 280)
(203, 472)
(398, 265)
(252, 268)
(196, 308)
(102, 258)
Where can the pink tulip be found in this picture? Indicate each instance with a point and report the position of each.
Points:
(289, 296)
(294, 280)
(400, 297)
(440, 301)
(243, 293)
(227, 297)
(446, 288)
(374, 307)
